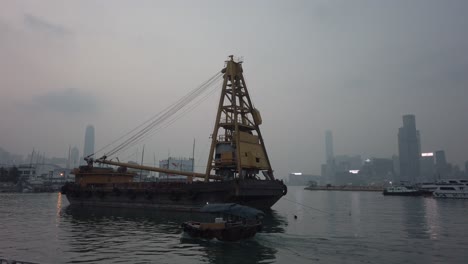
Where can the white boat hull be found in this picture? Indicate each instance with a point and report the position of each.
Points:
(450, 195)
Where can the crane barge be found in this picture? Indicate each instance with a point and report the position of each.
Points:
(238, 167)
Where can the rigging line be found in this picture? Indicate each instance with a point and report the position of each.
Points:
(310, 207)
(164, 116)
(158, 121)
(165, 113)
(171, 121)
(175, 118)
(158, 116)
(153, 117)
(180, 115)
(143, 134)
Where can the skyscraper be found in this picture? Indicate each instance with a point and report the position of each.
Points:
(427, 169)
(441, 164)
(74, 157)
(89, 141)
(409, 148)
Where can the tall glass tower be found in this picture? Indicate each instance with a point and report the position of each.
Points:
(409, 148)
(89, 141)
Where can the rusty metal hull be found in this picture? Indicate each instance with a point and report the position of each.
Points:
(260, 194)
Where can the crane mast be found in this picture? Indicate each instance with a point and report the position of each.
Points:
(237, 146)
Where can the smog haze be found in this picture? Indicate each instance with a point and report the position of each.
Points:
(352, 67)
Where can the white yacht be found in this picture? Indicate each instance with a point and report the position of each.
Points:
(452, 188)
(458, 190)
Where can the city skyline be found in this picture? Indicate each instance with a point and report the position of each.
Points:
(408, 119)
(411, 166)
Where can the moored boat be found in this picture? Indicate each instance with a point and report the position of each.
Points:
(441, 186)
(455, 191)
(240, 222)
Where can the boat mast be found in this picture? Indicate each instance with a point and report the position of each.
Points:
(239, 150)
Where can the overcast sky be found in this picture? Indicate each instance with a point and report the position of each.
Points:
(354, 67)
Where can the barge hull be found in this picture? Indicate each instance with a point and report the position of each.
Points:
(260, 194)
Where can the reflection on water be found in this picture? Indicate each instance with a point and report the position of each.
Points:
(247, 251)
(432, 221)
(414, 215)
(59, 203)
(147, 235)
(273, 222)
(306, 227)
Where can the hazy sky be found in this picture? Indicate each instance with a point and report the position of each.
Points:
(354, 67)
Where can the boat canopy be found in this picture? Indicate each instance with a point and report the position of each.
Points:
(232, 209)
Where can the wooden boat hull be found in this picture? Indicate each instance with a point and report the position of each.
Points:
(234, 232)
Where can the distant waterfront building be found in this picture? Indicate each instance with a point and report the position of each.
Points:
(440, 159)
(396, 165)
(8, 159)
(27, 172)
(441, 165)
(301, 179)
(383, 167)
(409, 149)
(323, 174)
(377, 171)
(89, 141)
(345, 163)
(466, 169)
(178, 164)
(74, 157)
(427, 167)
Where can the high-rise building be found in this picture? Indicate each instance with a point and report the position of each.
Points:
(427, 167)
(440, 159)
(409, 148)
(344, 163)
(74, 157)
(89, 141)
(441, 166)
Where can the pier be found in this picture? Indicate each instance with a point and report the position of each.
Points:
(346, 188)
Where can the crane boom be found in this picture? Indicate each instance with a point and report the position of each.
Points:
(156, 169)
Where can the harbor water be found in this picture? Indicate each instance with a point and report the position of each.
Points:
(303, 227)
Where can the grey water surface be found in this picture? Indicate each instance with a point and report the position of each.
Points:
(303, 227)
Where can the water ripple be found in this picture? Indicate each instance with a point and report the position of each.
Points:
(359, 228)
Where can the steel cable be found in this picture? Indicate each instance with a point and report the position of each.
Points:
(159, 118)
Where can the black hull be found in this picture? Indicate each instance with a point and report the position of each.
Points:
(260, 194)
(230, 233)
(418, 193)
